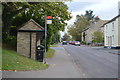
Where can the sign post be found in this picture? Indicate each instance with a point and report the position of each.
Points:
(48, 20)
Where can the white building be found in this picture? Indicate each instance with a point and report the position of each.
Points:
(112, 33)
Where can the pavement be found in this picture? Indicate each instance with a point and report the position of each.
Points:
(61, 66)
(113, 51)
(109, 50)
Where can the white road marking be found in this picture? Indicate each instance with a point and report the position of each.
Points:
(68, 54)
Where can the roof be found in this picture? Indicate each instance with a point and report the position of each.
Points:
(112, 19)
(88, 27)
(36, 23)
(25, 27)
(97, 24)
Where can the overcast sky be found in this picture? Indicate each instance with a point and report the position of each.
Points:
(105, 9)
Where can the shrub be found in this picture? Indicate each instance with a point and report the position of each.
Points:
(83, 42)
(11, 40)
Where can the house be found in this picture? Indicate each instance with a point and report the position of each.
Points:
(112, 33)
(89, 31)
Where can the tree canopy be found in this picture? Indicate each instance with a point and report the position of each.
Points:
(17, 13)
(76, 29)
(66, 37)
(89, 15)
(98, 37)
(81, 23)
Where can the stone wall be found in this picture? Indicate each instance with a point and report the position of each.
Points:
(38, 42)
(33, 46)
(23, 43)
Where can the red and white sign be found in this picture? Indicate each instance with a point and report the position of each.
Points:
(49, 19)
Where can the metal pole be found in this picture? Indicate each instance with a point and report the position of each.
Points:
(45, 38)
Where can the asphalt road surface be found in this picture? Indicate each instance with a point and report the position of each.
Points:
(94, 62)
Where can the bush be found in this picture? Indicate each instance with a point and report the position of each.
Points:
(11, 40)
(93, 41)
(83, 42)
(98, 37)
(88, 43)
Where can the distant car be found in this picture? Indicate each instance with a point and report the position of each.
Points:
(70, 42)
(64, 43)
(73, 43)
(77, 43)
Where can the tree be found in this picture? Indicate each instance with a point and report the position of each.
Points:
(72, 30)
(76, 29)
(55, 38)
(17, 13)
(10, 9)
(66, 37)
(98, 37)
(97, 18)
(89, 15)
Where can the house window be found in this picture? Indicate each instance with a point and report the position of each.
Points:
(106, 40)
(113, 39)
(106, 28)
(113, 26)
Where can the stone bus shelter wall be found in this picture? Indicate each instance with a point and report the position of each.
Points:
(23, 43)
(27, 39)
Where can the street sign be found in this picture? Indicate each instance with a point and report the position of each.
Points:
(49, 19)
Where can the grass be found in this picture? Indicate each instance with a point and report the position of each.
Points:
(54, 45)
(50, 53)
(14, 61)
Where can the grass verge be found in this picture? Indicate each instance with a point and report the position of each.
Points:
(50, 53)
(54, 45)
(14, 61)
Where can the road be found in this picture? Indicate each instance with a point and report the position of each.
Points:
(94, 62)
